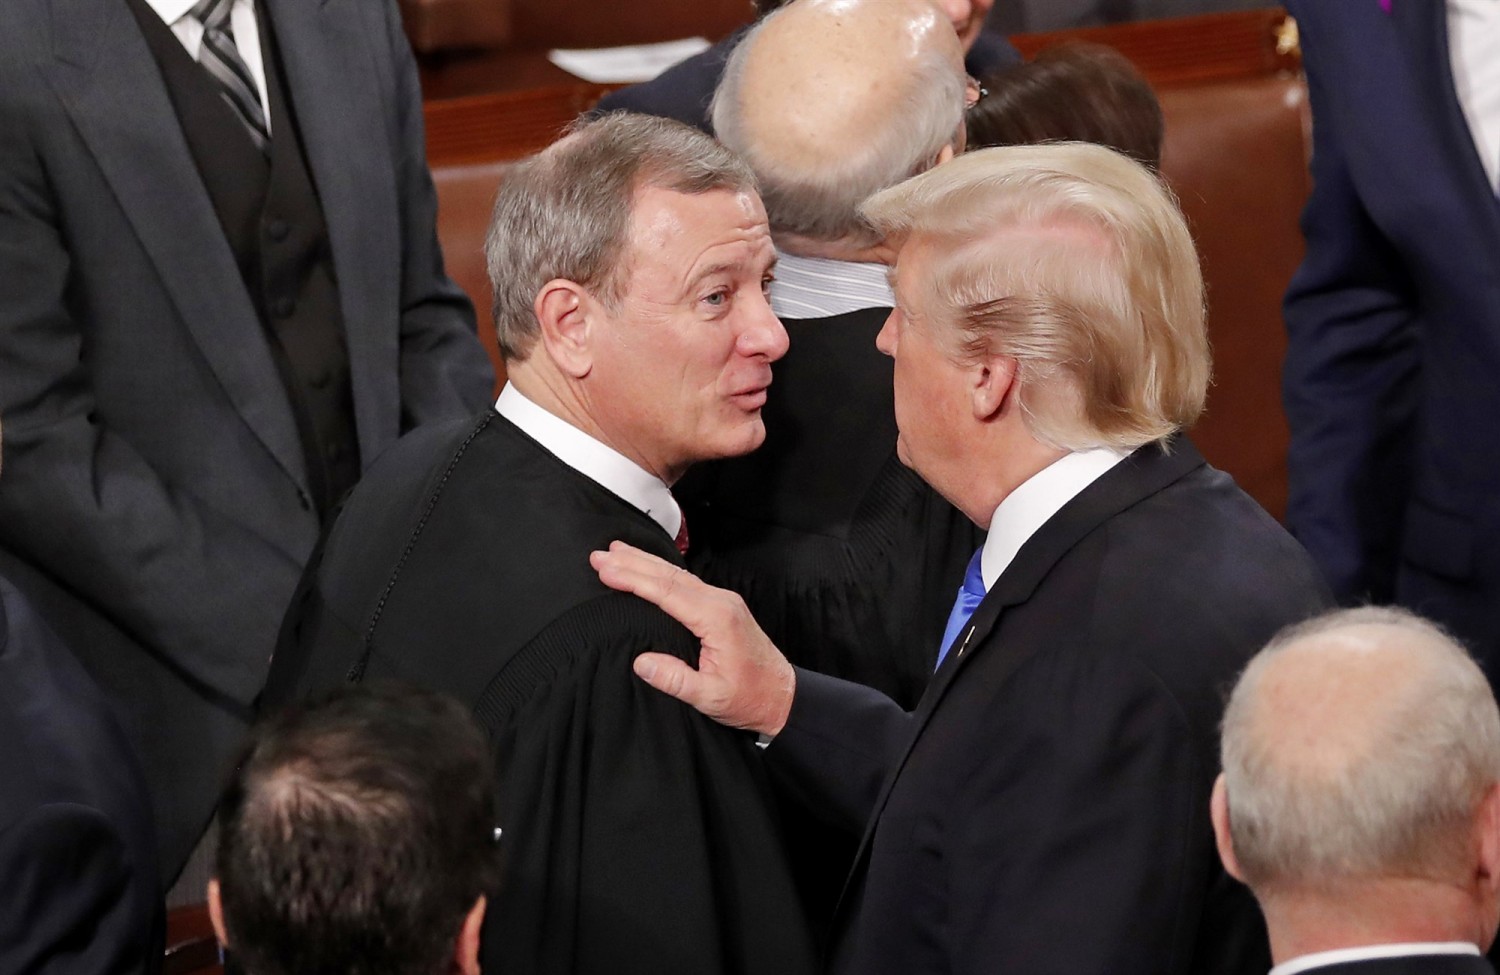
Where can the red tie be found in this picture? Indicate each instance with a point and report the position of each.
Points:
(682, 536)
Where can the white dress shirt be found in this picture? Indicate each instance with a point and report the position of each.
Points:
(1474, 52)
(818, 287)
(594, 460)
(1040, 496)
(246, 38)
(1323, 959)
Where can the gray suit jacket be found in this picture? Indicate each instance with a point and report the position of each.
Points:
(154, 503)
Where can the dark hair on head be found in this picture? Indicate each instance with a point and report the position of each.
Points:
(356, 834)
(763, 7)
(1073, 92)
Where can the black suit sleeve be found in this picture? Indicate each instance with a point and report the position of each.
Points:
(82, 503)
(444, 372)
(1352, 366)
(838, 745)
(68, 905)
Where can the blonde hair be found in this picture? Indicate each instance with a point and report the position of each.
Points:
(1075, 261)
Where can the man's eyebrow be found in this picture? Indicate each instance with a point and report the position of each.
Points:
(723, 267)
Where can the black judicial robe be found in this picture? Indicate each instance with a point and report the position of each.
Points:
(638, 835)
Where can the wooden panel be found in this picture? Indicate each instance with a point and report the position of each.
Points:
(504, 126)
(604, 23)
(1185, 50)
(499, 105)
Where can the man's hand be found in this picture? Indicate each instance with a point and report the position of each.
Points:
(742, 680)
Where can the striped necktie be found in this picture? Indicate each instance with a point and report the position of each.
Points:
(970, 595)
(221, 58)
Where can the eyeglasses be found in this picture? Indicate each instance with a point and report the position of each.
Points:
(974, 92)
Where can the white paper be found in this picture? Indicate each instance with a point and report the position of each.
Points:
(626, 65)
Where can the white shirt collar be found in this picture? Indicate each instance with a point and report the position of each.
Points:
(819, 287)
(1039, 497)
(170, 10)
(1322, 959)
(593, 459)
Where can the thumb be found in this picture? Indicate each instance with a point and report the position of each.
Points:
(670, 675)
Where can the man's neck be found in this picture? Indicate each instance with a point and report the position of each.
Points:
(1393, 911)
(557, 396)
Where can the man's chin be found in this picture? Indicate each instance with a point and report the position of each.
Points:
(901, 453)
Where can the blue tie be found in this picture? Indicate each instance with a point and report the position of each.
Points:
(970, 594)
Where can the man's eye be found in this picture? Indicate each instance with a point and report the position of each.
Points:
(716, 298)
(766, 282)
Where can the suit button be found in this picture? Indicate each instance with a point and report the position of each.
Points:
(277, 229)
(284, 307)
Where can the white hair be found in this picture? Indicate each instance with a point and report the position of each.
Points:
(922, 115)
(1399, 803)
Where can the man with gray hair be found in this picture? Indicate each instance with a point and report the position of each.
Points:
(1044, 809)
(1360, 797)
(629, 262)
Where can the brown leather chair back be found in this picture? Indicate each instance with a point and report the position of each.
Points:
(466, 195)
(1236, 155)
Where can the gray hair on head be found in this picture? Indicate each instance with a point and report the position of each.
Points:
(819, 198)
(565, 212)
(1314, 802)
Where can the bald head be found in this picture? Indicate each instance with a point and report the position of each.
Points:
(833, 100)
(1358, 746)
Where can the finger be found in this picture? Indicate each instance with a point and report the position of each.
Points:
(678, 593)
(623, 566)
(671, 676)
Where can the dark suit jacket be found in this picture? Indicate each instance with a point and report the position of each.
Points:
(1393, 323)
(1411, 965)
(155, 500)
(77, 851)
(685, 90)
(1045, 808)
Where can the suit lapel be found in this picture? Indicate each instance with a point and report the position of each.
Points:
(1142, 474)
(330, 51)
(1423, 31)
(111, 88)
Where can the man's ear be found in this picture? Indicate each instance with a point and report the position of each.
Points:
(567, 314)
(1218, 811)
(993, 384)
(466, 948)
(1487, 823)
(216, 912)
